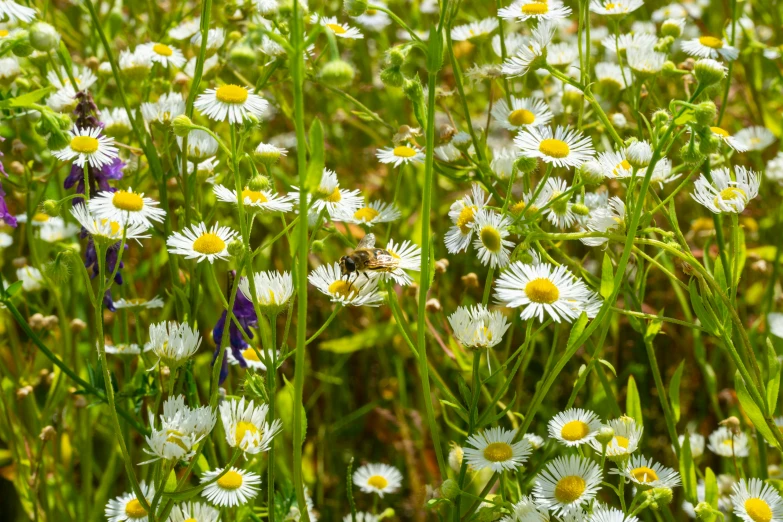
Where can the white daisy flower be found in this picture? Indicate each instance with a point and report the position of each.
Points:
(407, 256)
(611, 74)
(116, 121)
(56, 229)
(269, 154)
(565, 147)
(491, 232)
(251, 358)
(605, 219)
(710, 47)
(728, 139)
(526, 510)
(615, 8)
(662, 173)
(463, 215)
(523, 113)
(362, 291)
(725, 194)
(185, 29)
(448, 153)
(127, 507)
(673, 10)
(197, 422)
(235, 488)
(198, 242)
(164, 54)
(6, 240)
(329, 197)
(529, 54)
(9, 69)
(84, 77)
(107, 230)
(523, 10)
(246, 427)
(168, 107)
(755, 138)
(401, 154)
(559, 209)
(755, 501)
(139, 303)
(495, 449)
(477, 327)
(136, 64)
(16, 13)
(725, 443)
(502, 163)
(201, 145)
(474, 31)
(230, 101)
(514, 42)
(615, 164)
(627, 435)
(273, 290)
(361, 516)
(381, 479)
(194, 512)
(373, 19)
(215, 39)
(31, 278)
(645, 61)
(374, 213)
(126, 206)
(210, 64)
(610, 514)
(775, 324)
(696, 441)
(536, 442)
(574, 427)
(543, 289)
(126, 349)
(629, 40)
(645, 473)
(88, 145)
(338, 29)
(566, 484)
(260, 200)
(562, 55)
(174, 343)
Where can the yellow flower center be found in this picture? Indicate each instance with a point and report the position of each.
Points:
(758, 510)
(129, 201)
(621, 441)
(521, 117)
(231, 94)
(336, 28)
(163, 50)
(244, 427)
(40, 217)
(403, 151)
(711, 42)
(576, 429)
(623, 165)
(644, 475)
(569, 489)
(542, 290)
(720, 132)
(342, 289)
(3, 33)
(191, 520)
(518, 207)
(365, 214)
(610, 6)
(728, 442)
(554, 148)
(254, 196)
(732, 193)
(536, 8)
(465, 218)
(498, 452)
(84, 144)
(378, 482)
(231, 480)
(335, 196)
(134, 509)
(490, 237)
(249, 354)
(209, 243)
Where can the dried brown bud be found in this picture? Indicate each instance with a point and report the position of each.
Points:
(181, 79)
(470, 280)
(48, 433)
(731, 423)
(37, 321)
(19, 262)
(441, 265)
(18, 147)
(79, 401)
(433, 305)
(51, 322)
(93, 63)
(23, 392)
(77, 325)
(17, 167)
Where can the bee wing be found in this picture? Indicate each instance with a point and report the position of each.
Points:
(382, 260)
(367, 241)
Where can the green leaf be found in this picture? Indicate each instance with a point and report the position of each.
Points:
(284, 401)
(674, 391)
(315, 165)
(13, 288)
(633, 404)
(653, 328)
(742, 254)
(752, 410)
(367, 338)
(684, 118)
(434, 50)
(773, 384)
(576, 330)
(608, 365)
(698, 308)
(27, 99)
(607, 277)
(710, 488)
(688, 472)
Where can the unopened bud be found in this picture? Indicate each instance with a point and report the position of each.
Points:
(355, 7)
(317, 246)
(77, 325)
(236, 248)
(433, 305)
(48, 433)
(526, 165)
(392, 77)
(44, 37)
(605, 435)
(243, 55)
(709, 72)
(455, 457)
(259, 183)
(337, 73)
(580, 209)
(705, 113)
(450, 489)
(181, 125)
(732, 423)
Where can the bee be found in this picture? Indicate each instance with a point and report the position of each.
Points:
(366, 258)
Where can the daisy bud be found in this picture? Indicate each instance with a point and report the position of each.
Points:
(433, 305)
(396, 57)
(450, 489)
(36, 321)
(236, 248)
(455, 457)
(618, 120)
(704, 511)
(470, 280)
(639, 154)
(526, 165)
(181, 125)
(664, 44)
(672, 27)
(48, 433)
(387, 513)
(705, 113)
(243, 55)
(57, 141)
(24, 391)
(317, 246)
(255, 386)
(392, 77)
(580, 209)
(337, 73)
(22, 47)
(171, 482)
(77, 325)
(17, 167)
(44, 37)
(731, 423)
(259, 183)
(663, 495)
(592, 172)
(709, 144)
(413, 90)
(234, 36)
(669, 68)
(605, 435)
(708, 71)
(660, 118)
(355, 7)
